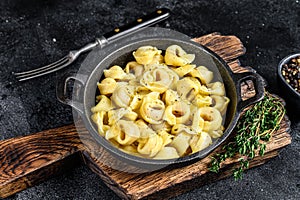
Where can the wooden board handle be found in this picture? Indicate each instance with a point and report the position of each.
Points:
(26, 161)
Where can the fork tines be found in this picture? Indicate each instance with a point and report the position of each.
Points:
(63, 62)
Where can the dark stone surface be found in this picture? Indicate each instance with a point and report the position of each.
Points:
(36, 32)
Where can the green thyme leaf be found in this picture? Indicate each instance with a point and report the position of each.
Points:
(254, 129)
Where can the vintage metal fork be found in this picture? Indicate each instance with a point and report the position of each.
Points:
(107, 38)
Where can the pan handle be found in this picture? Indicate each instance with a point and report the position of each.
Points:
(259, 84)
(69, 88)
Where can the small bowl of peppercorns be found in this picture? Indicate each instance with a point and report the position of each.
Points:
(289, 77)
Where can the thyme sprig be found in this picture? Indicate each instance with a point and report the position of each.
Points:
(254, 130)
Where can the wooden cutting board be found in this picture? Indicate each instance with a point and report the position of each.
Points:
(27, 161)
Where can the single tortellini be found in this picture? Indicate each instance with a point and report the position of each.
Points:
(129, 132)
(154, 143)
(104, 104)
(159, 78)
(145, 54)
(100, 119)
(200, 142)
(176, 56)
(135, 68)
(150, 146)
(122, 95)
(115, 72)
(181, 143)
(203, 74)
(167, 153)
(124, 132)
(152, 109)
(188, 88)
(107, 86)
(212, 118)
(216, 88)
(178, 113)
(220, 103)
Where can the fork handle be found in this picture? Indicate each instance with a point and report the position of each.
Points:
(138, 24)
(119, 32)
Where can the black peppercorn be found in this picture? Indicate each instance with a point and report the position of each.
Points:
(291, 73)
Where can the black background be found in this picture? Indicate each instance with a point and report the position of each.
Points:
(37, 32)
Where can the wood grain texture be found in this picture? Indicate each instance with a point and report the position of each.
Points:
(26, 161)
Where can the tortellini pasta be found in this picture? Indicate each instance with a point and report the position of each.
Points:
(160, 106)
(122, 95)
(159, 78)
(178, 113)
(202, 73)
(177, 57)
(146, 54)
(107, 86)
(152, 109)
